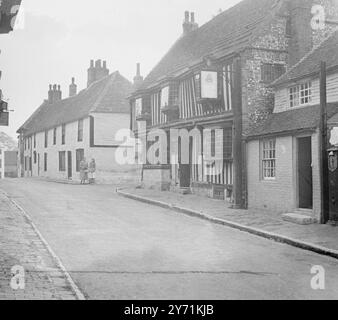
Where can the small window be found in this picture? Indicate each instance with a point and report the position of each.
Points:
(34, 140)
(45, 162)
(165, 97)
(63, 135)
(300, 95)
(54, 136)
(62, 161)
(46, 138)
(34, 157)
(271, 72)
(79, 157)
(80, 130)
(269, 159)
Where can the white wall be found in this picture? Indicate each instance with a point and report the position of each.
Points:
(282, 94)
(53, 150)
(281, 195)
(105, 127)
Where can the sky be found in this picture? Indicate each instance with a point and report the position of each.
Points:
(55, 41)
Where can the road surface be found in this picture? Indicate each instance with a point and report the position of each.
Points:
(116, 248)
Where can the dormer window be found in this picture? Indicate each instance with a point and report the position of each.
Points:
(165, 97)
(300, 95)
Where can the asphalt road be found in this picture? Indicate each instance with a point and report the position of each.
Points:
(116, 248)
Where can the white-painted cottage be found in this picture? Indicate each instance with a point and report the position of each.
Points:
(57, 136)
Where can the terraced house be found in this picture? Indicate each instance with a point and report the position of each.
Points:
(61, 132)
(217, 77)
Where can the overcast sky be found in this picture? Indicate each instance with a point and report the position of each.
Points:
(60, 37)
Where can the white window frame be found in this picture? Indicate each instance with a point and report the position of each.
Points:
(269, 158)
(300, 95)
(165, 97)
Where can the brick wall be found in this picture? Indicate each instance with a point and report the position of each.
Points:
(280, 195)
(282, 93)
(108, 170)
(156, 178)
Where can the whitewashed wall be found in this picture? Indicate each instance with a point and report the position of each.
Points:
(282, 94)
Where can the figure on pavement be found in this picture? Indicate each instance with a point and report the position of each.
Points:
(92, 170)
(83, 171)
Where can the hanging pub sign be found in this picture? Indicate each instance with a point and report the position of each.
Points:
(334, 136)
(209, 85)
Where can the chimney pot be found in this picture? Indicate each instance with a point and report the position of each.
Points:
(192, 17)
(104, 64)
(138, 69)
(186, 16)
(92, 63)
(72, 88)
(98, 63)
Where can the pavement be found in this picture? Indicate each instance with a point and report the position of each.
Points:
(322, 239)
(117, 248)
(21, 248)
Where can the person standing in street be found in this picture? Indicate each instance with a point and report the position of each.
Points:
(92, 170)
(83, 171)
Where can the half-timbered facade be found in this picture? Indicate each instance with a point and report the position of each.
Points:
(216, 79)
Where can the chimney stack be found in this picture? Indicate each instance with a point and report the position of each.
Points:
(97, 72)
(72, 88)
(189, 23)
(138, 79)
(54, 93)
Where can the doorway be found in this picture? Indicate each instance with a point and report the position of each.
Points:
(184, 168)
(70, 169)
(305, 183)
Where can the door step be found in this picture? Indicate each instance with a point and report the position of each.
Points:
(184, 191)
(299, 218)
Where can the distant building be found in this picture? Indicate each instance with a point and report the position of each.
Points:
(11, 164)
(8, 164)
(61, 132)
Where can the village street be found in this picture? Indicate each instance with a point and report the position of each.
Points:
(116, 248)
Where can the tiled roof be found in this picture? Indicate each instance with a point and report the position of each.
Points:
(108, 95)
(310, 64)
(291, 120)
(226, 34)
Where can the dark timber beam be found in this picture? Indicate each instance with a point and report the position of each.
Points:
(238, 132)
